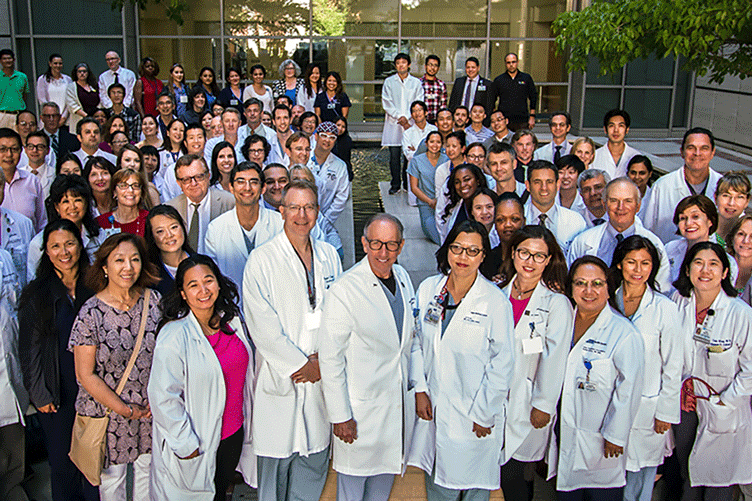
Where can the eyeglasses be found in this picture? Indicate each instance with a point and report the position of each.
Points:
(256, 151)
(525, 254)
(391, 246)
(193, 179)
(307, 208)
(477, 158)
(247, 182)
(25, 124)
(122, 142)
(36, 147)
(126, 186)
(595, 284)
(457, 250)
(12, 149)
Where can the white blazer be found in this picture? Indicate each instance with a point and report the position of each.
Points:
(537, 377)
(289, 418)
(226, 246)
(602, 406)
(187, 399)
(467, 374)
(588, 242)
(665, 195)
(365, 371)
(656, 319)
(722, 452)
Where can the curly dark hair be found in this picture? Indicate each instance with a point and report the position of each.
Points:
(451, 193)
(555, 273)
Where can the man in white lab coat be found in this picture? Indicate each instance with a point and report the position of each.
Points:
(283, 287)
(622, 205)
(398, 93)
(365, 354)
(232, 236)
(614, 156)
(696, 176)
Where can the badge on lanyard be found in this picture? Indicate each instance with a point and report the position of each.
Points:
(183, 99)
(585, 384)
(481, 88)
(331, 106)
(533, 344)
(233, 102)
(433, 313)
(313, 319)
(702, 334)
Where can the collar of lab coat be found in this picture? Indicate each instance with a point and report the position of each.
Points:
(540, 296)
(648, 298)
(602, 322)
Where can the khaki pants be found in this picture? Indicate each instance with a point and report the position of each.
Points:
(8, 120)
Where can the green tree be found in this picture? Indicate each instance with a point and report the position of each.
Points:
(714, 36)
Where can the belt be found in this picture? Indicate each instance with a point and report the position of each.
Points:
(11, 112)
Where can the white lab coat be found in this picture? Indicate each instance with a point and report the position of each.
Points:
(412, 137)
(615, 349)
(537, 377)
(665, 195)
(445, 226)
(14, 399)
(604, 161)
(467, 374)
(564, 223)
(578, 205)
(588, 242)
(656, 319)
(726, 461)
(17, 232)
(396, 97)
(187, 399)
(289, 418)
(677, 249)
(334, 190)
(365, 371)
(226, 246)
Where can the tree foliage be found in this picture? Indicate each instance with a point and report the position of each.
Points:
(714, 36)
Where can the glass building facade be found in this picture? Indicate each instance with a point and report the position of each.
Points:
(359, 39)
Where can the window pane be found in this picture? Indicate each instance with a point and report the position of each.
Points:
(649, 109)
(21, 14)
(75, 50)
(597, 104)
(202, 18)
(681, 101)
(265, 18)
(23, 64)
(245, 52)
(357, 60)
(193, 54)
(594, 77)
(537, 58)
(364, 18)
(439, 18)
(82, 17)
(524, 18)
(651, 71)
(551, 98)
(453, 54)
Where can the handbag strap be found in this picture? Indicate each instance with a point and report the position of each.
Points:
(711, 390)
(137, 347)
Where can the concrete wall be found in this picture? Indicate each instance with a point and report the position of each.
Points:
(725, 109)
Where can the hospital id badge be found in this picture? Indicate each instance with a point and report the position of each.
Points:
(183, 99)
(313, 319)
(584, 384)
(532, 345)
(331, 106)
(433, 314)
(701, 335)
(481, 88)
(233, 102)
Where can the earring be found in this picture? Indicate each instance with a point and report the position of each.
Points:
(105, 274)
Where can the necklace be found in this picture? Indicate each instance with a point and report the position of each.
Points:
(519, 292)
(123, 303)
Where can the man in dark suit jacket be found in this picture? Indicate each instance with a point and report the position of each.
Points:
(62, 142)
(198, 199)
(472, 89)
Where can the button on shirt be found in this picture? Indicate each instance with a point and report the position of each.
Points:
(609, 241)
(24, 194)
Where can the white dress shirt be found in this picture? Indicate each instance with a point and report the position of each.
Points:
(125, 77)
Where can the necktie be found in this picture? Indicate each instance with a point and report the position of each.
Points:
(619, 237)
(55, 145)
(193, 230)
(542, 219)
(598, 221)
(468, 92)
(117, 77)
(557, 153)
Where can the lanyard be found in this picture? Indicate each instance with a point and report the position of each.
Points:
(692, 190)
(443, 300)
(310, 279)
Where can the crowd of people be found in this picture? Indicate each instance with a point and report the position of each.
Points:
(180, 275)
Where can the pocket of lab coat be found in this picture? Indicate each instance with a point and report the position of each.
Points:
(722, 364)
(186, 473)
(271, 383)
(588, 455)
(718, 419)
(590, 406)
(645, 418)
(652, 379)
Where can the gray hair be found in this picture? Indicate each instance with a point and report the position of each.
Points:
(591, 174)
(51, 104)
(383, 216)
(285, 63)
(623, 180)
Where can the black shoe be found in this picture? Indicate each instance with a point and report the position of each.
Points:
(393, 191)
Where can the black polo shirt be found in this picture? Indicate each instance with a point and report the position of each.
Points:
(514, 95)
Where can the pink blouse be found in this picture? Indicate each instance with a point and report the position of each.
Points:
(233, 358)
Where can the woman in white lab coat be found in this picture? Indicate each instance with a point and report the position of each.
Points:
(714, 438)
(634, 288)
(601, 391)
(201, 388)
(543, 319)
(461, 365)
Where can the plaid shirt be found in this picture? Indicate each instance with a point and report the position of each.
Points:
(132, 119)
(435, 96)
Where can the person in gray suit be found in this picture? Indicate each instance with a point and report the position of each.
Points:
(199, 204)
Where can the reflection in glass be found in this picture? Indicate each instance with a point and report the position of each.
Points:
(276, 18)
(202, 18)
(595, 78)
(538, 58)
(439, 18)
(648, 108)
(193, 54)
(524, 18)
(651, 71)
(681, 101)
(597, 103)
(363, 18)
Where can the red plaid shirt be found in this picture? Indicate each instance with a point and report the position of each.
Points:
(435, 92)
